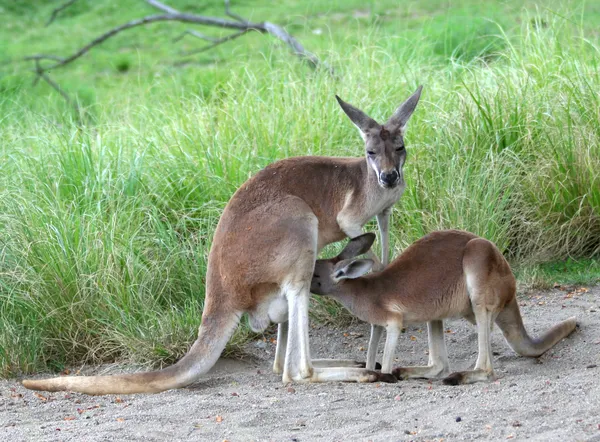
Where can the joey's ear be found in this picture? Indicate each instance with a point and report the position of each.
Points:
(357, 246)
(403, 113)
(358, 117)
(350, 269)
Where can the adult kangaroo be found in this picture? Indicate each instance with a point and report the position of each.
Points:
(263, 255)
(445, 274)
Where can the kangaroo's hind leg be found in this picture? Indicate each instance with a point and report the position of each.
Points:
(484, 371)
(282, 338)
(438, 364)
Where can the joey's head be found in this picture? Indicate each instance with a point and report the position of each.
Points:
(384, 143)
(329, 272)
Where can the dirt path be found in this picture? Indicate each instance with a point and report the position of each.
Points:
(554, 397)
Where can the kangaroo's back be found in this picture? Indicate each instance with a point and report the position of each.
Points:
(444, 274)
(427, 279)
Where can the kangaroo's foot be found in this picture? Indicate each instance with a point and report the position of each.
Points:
(351, 374)
(469, 377)
(427, 372)
(323, 363)
(344, 374)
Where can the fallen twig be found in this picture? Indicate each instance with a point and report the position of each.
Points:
(239, 24)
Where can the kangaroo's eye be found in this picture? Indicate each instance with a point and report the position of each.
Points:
(370, 153)
(400, 149)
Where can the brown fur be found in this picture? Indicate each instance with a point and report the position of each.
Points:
(263, 254)
(445, 274)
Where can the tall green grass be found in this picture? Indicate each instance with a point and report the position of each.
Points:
(105, 226)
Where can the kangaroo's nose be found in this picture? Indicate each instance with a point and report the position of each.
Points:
(389, 178)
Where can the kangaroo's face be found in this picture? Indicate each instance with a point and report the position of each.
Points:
(386, 156)
(328, 272)
(384, 144)
(322, 281)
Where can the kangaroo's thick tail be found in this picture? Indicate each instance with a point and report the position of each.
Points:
(216, 329)
(511, 323)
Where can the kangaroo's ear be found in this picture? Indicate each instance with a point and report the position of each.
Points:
(350, 269)
(397, 121)
(357, 246)
(358, 117)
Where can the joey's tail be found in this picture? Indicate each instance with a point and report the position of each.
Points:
(216, 329)
(511, 323)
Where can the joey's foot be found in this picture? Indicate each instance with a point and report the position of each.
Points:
(397, 372)
(400, 373)
(388, 378)
(469, 377)
(454, 379)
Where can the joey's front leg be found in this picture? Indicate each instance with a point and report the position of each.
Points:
(391, 342)
(376, 333)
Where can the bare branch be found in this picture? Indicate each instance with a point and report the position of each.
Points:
(186, 18)
(195, 34)
(170, 14)
(42, 74)
(217, 42)
(162, 7)
(266, 27)
(58, 10)
(278, 32)
(232, 15)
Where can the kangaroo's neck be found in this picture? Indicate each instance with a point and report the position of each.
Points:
(365, 199)
(360, 296)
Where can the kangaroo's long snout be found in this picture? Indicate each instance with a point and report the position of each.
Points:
(389, 179)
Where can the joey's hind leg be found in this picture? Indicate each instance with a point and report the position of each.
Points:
(484, 371)
(438, 364)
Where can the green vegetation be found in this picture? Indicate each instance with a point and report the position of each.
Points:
(563, 273)
(105, 226)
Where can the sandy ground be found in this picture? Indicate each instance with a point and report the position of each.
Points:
(552, 398)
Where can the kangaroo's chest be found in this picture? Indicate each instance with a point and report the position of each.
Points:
(358, 210)
(377, 203)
